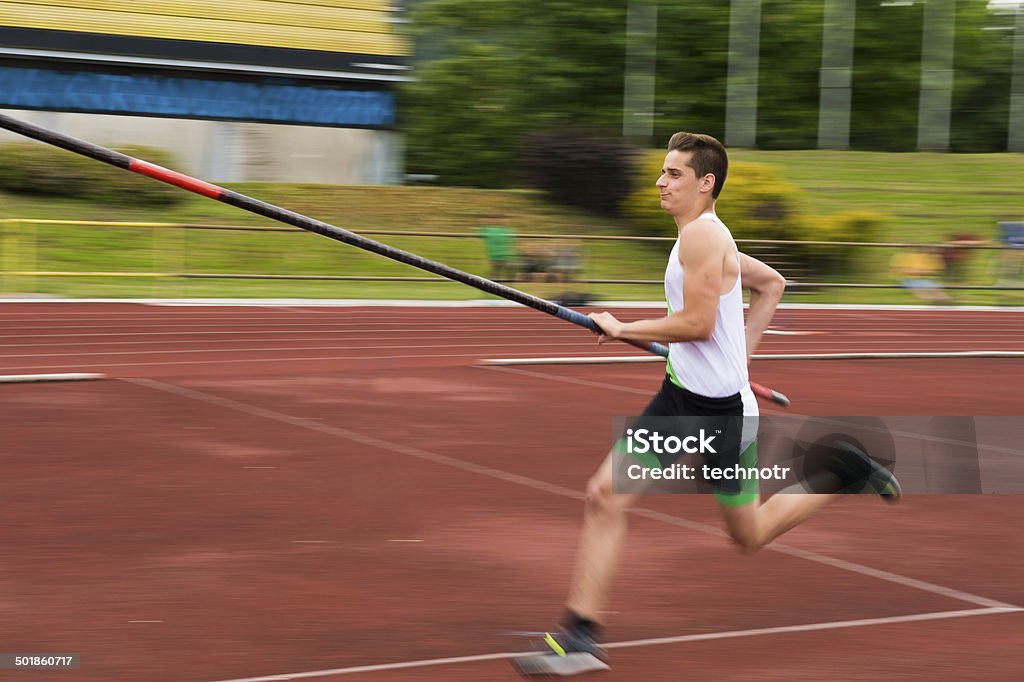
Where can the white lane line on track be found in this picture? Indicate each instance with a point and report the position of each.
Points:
(42, 378)
(895, 354)
(226, 361)
(681, 639)
(763, 409)
(424, 346)
(641, 359)
(554, 489)
(327, 336)
(789, 351)
(648, 392)
(516, 320)
(835, 327)
(393, 332)
(534, 324)
(979, 330)
(499, 329)
(943, 336)
(56, 340)
(783, 323)
(459, 303)
(250, 314)
(812, 627)
(272, 328)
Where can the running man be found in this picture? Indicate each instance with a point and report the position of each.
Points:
(709, 349)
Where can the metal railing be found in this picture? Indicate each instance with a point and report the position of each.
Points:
(169, 256)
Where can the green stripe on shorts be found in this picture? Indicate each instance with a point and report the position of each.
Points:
(750, 489)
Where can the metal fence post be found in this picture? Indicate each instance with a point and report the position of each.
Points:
(28, 256)
(10, 255)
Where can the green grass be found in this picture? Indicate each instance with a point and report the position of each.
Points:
(925, 198)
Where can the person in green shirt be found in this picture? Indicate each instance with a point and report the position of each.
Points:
(500, 245)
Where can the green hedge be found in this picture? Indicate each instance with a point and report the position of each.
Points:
(30, 168)
(759, 203)
(756, 203)
(849, 226)
(589, 172)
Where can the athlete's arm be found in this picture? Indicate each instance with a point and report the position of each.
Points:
(702, 252)
(766, 287)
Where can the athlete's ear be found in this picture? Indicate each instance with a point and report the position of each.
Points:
(707, 183)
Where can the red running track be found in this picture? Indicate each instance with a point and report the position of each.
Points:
(266, 491)
(139, 340)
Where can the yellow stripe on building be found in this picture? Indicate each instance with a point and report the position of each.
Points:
(380, 5)
(249, 11)
(247, 22)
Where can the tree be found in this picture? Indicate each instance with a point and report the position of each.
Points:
(496, 71)
(491, 72)
(981, 88)
(693, 61)
(789, 92)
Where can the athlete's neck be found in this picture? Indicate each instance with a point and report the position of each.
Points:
(684, 219)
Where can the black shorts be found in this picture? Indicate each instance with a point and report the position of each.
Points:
(673, 401)
(675, 411)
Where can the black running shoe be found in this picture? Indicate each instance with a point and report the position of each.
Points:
(859, 473)
(561, 654)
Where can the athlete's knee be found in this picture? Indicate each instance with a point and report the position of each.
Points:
(747, 541)
(600, 498)
(599, 492)
(746, 536)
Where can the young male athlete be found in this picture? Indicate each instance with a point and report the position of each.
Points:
(709, 348)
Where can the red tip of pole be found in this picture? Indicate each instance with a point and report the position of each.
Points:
(769, 394)
(175, 178)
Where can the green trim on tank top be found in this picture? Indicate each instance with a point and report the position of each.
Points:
(672, 376)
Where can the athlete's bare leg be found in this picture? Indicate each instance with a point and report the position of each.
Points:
(754, 525)
(601, 543)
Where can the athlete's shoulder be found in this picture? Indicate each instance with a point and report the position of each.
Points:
(702, 236)
(705, 223)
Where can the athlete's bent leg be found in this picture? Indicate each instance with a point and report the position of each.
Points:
(754, 524)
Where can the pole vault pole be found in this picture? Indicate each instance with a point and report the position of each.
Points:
(283, 215)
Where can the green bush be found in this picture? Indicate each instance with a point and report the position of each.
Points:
(588, 172)
(849, 226)
(756, 202)
(30, 168)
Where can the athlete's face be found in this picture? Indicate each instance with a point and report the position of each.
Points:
(679, 185)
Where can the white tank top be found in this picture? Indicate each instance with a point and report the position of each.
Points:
(717, 367)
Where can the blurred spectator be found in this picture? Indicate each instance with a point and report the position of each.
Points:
(567, 263)
(1011, 262)
(537, 261)
(955, 257)
(500, 244)
(919, 270)
(567, 269)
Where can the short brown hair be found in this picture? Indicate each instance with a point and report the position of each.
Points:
(708, 156)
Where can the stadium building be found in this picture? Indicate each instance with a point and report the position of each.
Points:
(241, 90)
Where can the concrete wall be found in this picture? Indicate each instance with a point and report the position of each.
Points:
(224, 151)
